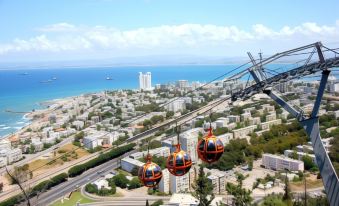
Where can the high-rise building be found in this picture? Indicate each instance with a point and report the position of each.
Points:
(189, 141)
(145, 81)
(182, 84)
(165, 181)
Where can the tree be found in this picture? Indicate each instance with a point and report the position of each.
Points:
(134, 183)
(308, 163)
(203, 188)
(287, 197)
(242, 196)
(272, 200)
(135, 171)
(157, 203)
(120, 180)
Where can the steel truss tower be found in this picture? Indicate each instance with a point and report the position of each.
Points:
(309, 122)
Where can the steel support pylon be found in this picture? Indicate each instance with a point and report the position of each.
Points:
(311, 126)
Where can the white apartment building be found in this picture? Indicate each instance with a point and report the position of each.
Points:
(3, 161)
(177, 105)
(233, 118)
(243, 132)
(128, 164)
(245, 116)
(159, 152)
(269, 124)
(218, 182)
(90, 142)
(182, 84)
(254, 120)
(221, 122)
(14, 155)
(225, 138)
(271, 116)
(164, 184)
(288, 153)
(268, 107)
(145, 81)
(189, 141)
(38, 145)
(179, 184)
(5, 144)
(276, 162)
(78, 124)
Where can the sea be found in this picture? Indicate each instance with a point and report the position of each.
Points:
(22, 90)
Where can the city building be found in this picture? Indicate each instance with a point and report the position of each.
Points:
(243, 132)
(270, 117)
(218, 182)
(128, 164)
(90, 142)
(164, 184)
(289, 153)
(225, 138)
(179, 184)
(233, 118)
(182, 84)
(245, 116)
(276, 162)
(268, 125)
(145, 81)
(176, 105)
(5, 144)
(14, 155)
(189, 141)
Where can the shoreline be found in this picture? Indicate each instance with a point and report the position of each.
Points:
(29, 117)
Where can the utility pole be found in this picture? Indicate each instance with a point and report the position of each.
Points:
(16, 181)
(305, 198)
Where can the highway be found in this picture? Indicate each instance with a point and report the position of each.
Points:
(65, 188)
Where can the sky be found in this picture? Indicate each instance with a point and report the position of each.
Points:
(79, 30)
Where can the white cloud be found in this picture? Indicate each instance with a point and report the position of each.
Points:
(185, 38)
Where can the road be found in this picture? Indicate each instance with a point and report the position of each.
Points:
(65, 188)
(137, 201)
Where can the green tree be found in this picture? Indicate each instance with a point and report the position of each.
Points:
(242, 196)
(120, 180)
(135, 171)
(308, 162)
(203, 188)
(287, 197)
(157, 203)
(134, 183)
(273, 200)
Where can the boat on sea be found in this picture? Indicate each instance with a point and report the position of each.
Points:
(54, 78)
(46, 81)
(109, 78)
(24, 73)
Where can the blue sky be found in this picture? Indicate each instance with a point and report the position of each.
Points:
(57, 30)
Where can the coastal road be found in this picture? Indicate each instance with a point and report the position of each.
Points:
(72, 184)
